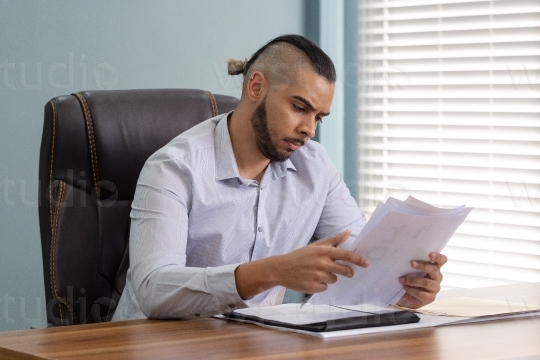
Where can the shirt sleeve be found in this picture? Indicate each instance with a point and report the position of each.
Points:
(162, 284)
(340, 211)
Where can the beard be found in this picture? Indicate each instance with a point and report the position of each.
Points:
(263, 138)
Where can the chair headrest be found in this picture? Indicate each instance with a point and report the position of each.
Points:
(118, 130)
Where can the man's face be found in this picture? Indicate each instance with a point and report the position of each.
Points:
(286, 119)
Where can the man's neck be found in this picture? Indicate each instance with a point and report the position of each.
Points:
(250, 161)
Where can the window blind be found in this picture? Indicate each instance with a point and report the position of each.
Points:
(449, 112)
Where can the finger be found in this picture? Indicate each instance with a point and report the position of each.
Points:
(423, 283)
(340, 269)
(319, 282)
(335, 240)
(439, 259)
(314, 287)
(407, 301)
(423, 296)
(346, 255)
(430, 269)
(327, 278)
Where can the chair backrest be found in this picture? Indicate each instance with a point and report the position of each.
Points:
(93, 148)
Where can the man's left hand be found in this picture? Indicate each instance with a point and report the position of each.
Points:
(422, 291)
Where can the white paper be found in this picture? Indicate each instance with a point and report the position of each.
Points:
(397, 233)
(474, 307)
(309, 313)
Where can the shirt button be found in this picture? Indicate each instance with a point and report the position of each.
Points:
(231, 305)
(260, 228)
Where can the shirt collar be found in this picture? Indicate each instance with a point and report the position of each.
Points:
(226, 167)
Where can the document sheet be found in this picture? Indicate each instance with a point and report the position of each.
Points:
(308, 314)
(473, 307)
(397, 233)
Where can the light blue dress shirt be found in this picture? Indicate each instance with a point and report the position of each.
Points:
(194, 220)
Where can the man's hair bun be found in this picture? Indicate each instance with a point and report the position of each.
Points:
(236, 67)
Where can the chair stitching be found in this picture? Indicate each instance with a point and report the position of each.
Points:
(213, 103)
(90, 131)
(91, 140)
(57, 221)
(53, 258)
(51, 200)
(52, 163)
(52, 255)
(61, 311)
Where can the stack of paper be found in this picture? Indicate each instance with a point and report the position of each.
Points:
(397, 233)
(474, 308)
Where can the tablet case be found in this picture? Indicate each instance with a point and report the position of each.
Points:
(354, 322)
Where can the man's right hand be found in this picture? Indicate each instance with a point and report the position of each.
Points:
(309, 269)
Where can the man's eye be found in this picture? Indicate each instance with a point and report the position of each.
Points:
(319, 120)
(298, 108)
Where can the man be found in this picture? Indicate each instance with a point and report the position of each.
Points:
(223, 214)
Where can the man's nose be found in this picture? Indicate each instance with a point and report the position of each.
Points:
(308, 127)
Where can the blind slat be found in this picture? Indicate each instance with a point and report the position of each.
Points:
(453, 108)
(412, 3)
(481, 53)
(461, 13)
(435, 41)
(450, 28)
(516, 68)
(412, 94)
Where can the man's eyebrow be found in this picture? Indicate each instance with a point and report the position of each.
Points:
(308, 104)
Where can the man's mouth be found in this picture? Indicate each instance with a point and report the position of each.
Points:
(294, 144)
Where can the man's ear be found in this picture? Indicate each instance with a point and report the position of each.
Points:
(255, 87)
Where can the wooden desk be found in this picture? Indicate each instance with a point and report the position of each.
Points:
(217, 339)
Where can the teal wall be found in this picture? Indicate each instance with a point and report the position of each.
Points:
(348, 78)
(350, 83)
(51, 48)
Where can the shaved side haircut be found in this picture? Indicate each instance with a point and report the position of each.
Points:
(281, 60)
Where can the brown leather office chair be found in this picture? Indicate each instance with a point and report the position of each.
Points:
(93, 147)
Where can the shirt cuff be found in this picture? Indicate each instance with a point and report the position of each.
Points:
(223, 282)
